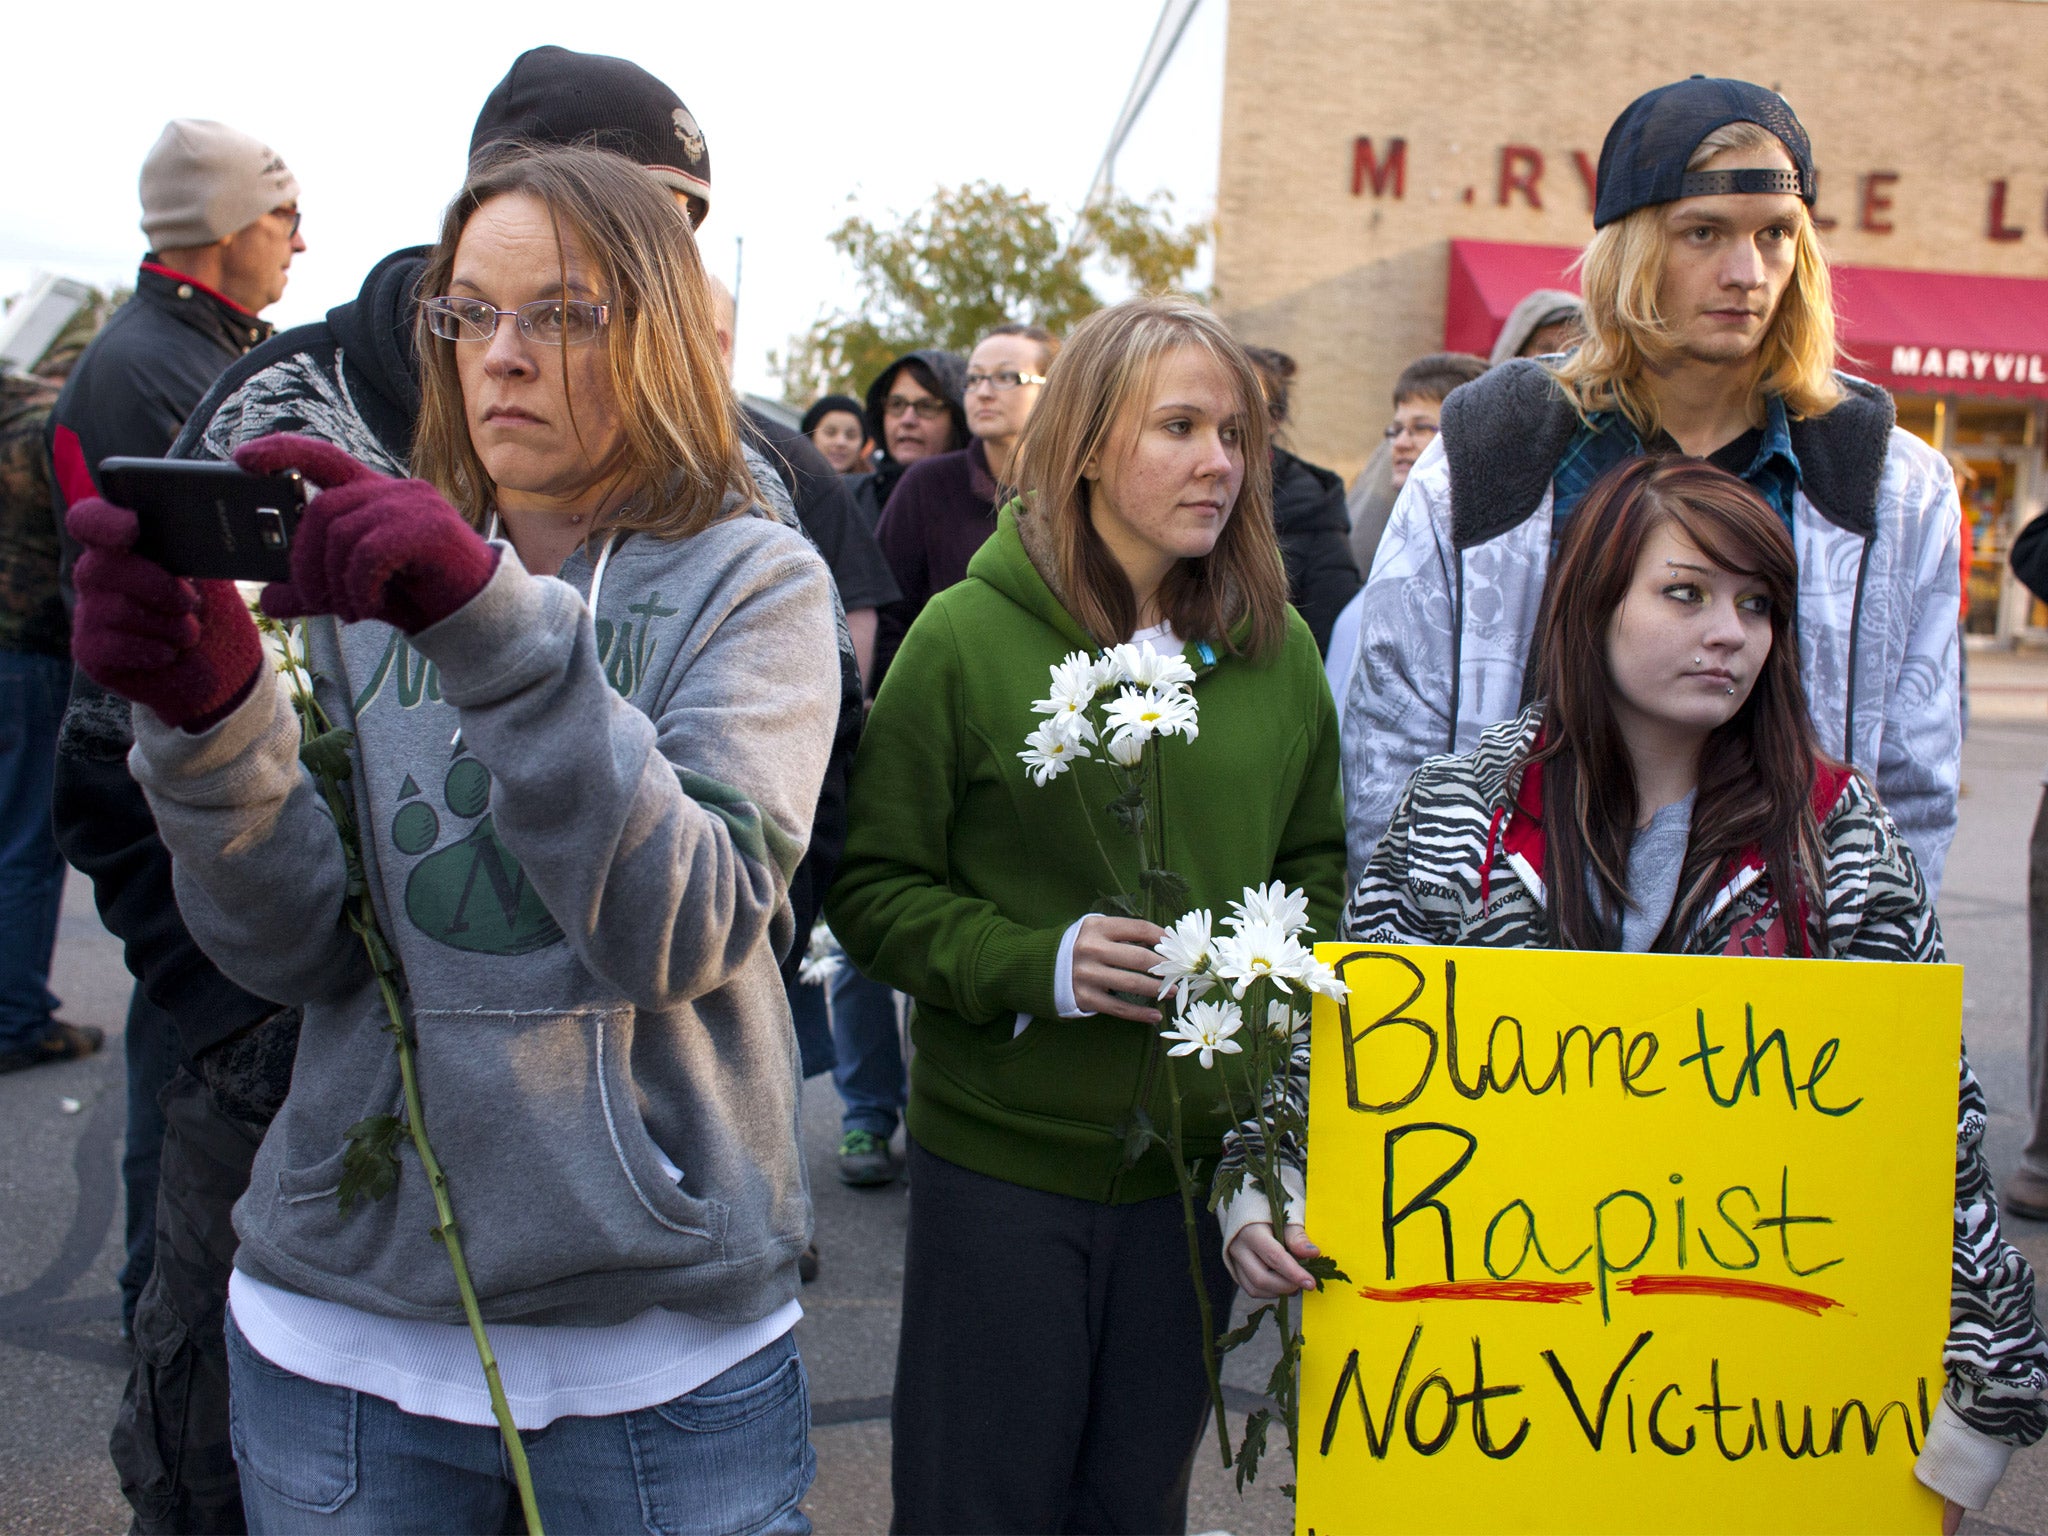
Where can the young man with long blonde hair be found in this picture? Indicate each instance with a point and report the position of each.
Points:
(1709, 331)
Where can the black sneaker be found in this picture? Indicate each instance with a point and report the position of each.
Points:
(64, 1042)
(864, 1159)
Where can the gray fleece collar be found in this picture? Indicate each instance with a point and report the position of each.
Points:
(1505, 431)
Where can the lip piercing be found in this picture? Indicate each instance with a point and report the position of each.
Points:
(1698, 661)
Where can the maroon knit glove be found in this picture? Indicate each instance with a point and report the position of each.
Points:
(369, 546)
(187, 649)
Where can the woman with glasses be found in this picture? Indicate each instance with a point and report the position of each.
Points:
(945, 508)
(914, 410)
(580, 795)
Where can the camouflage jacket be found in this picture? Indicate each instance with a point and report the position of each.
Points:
(31, 608)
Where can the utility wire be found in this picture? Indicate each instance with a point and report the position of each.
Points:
(1174, 16)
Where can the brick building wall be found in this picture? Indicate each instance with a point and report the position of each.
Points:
(1916, 108)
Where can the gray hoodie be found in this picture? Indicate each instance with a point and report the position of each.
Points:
(587, 890)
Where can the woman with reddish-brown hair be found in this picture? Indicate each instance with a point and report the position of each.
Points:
(1664, 793)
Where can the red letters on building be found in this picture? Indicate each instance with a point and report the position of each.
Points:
(1367, 167)
(1520, 169)
(1998, 229)
(1877, 200)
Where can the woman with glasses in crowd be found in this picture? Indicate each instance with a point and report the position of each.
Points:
(1665, 793)
(580, 792)
(945, 507)
(1049, 1375)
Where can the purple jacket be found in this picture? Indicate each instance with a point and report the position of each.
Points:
(942, 511)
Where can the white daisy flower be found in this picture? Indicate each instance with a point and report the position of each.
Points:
(1126, 749)
(822, 958)
(1049, 749)
(1075, 682)
(1144, 667)
(1260, 952)
(1282, 1018)
(1185, 956)
(1205, 1030)
(1150, 713)
(1272, 904)
(1318, 977)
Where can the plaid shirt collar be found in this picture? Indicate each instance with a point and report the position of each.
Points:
(1608, 437)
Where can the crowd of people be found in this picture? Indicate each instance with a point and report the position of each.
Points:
(1640, 635)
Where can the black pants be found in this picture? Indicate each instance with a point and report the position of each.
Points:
(170, 1442)
(1049, 1377)
(153, 1054)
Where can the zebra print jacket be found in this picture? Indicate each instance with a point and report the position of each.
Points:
(1461, 864)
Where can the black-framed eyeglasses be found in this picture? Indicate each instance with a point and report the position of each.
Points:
(1004, 379)
(550, 322)
(930, 407)
(291, 211)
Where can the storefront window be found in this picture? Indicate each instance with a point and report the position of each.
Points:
(1990, 426)
(1994, 447)
(1989, 489)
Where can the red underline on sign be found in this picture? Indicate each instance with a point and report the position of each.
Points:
(1811, 1302)
(1555, 1292)
(1548, 1292)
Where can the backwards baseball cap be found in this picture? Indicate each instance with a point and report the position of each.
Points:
(205, 180)
(1643, 161)
(555, 96)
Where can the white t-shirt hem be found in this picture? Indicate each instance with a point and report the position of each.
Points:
(548, 1373)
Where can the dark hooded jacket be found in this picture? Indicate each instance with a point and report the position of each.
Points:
(1313, 529)
(142, 376)
(825, 507)
(944, 512)
(948, 375)
(351, 379)
(130, 394)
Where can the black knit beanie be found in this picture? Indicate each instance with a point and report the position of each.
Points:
(820, 409)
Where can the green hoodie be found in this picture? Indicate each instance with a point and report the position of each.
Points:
(960, 875)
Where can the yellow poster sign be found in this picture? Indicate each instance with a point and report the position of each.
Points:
(1634, 1242)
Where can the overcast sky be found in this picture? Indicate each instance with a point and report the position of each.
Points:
(805, 105)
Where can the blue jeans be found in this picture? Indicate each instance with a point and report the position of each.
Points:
(32, 693)
(733, 1456)
(868, 1069)
(807, 1011)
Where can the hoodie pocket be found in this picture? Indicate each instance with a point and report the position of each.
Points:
(553, 1177)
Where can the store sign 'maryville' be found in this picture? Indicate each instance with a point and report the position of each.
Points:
(1380, 167)
(1958, 363)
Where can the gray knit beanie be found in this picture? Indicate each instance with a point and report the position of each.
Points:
(205, 180)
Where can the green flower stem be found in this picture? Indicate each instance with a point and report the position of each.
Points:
(1264, 1174)
(451, 1239)
(1088, 820)
(1187, 1211)
(1266, 1070)
(361, 916)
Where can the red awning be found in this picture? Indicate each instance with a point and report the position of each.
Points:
(1488, 279)
(1922, 333)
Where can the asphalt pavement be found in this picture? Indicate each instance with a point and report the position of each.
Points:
(62, 1361)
